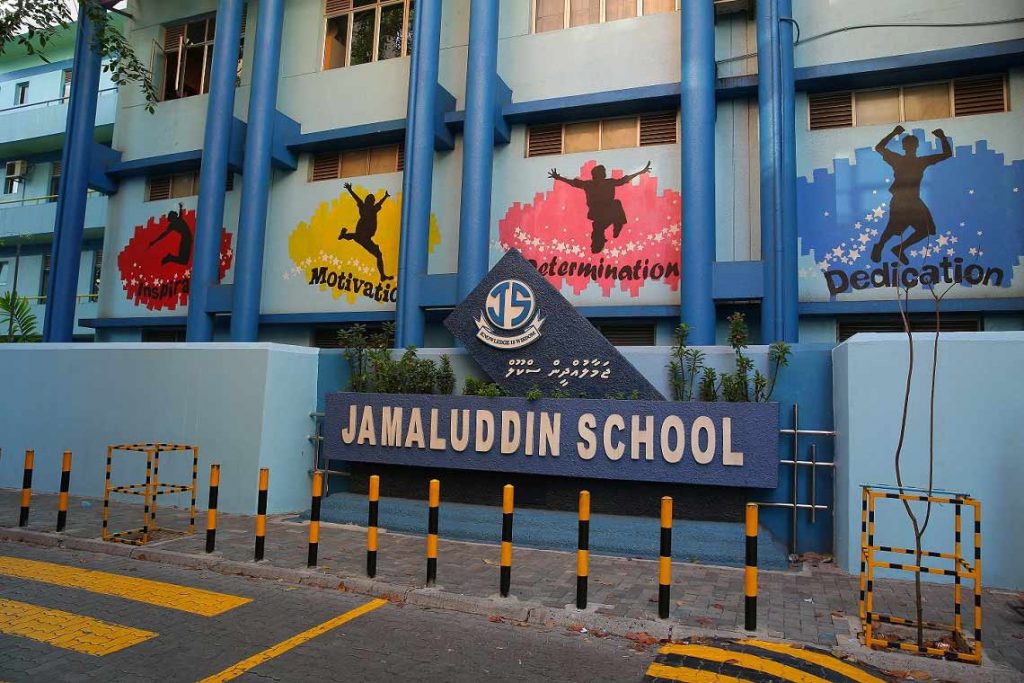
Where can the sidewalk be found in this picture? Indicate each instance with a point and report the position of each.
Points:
(816, 604)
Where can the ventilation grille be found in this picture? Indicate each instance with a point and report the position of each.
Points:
(230, 184)
(848, 328)
(544, 140)
(337, 6)
(982, 95)
(165, 335)
(67, 75)
(326, 337)
(173, 36)
(401, 157)
(628, 335)
(245, 17)
(831, 110)
(658, 129)
(159, 188)
(56, 169)
(325, 166)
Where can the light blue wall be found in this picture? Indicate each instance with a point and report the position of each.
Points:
(977, 440)
(245, 406)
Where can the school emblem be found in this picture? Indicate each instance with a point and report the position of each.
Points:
(511, 317)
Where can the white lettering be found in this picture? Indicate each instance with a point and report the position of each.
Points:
(391, 426)
(670, 454)
(366, 434)
(484, 431)
(641, 437)
(550, 431)
(436, 442)
(348, 435)
(614, 422)
(460, 441)
(415, 433)
(510, 431)
(587, 447)
(703, 455)
(729, 457)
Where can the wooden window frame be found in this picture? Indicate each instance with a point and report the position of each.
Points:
(399, 162)
(566, 15)
(377, 7)
(229, 185)
(600, 134)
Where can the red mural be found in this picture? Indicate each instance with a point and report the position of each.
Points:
(156, 264)
(599, 228)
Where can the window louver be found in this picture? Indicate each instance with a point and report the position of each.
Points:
(325, 166)
(628, 335)
(337, 6)
(848, 328)
(401, 157)
(56, 169)
(981, 95)
(159, 188)
(544, 140)
(831, 110)
(658, 129)
(173, 36)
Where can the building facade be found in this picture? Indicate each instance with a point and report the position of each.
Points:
(630, 149)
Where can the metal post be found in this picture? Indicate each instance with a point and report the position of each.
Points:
(26, 487)
(214, 170)
(211, 508)
(65, 484)
(768, 95)
(371, 527)
(750, 571)
(787, 247)
(434, 502)
(583, 551)
(106, 494)
(73, 192)
(314, 519)
(665, 559)
(697, 150)
(507, 507)
(252, 218)
(261, 514)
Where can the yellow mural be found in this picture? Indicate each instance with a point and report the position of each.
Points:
(350, 245)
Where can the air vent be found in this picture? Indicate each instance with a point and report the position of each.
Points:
(732, 6)
(658, 129)
(230, 184)
(325, 166)
(401, 157)
(926, 323)
(831, 110)
(159, 188)
(173, 36)
(163, 335)
(619, 334)
(56, 169)
(544, 140)
(981, 95)
(337, 6)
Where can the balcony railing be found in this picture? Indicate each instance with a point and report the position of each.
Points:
(34, 201)
(49, 103)
(89, 298)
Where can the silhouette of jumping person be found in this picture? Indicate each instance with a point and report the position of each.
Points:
(603, 209)
(907, 209)
(177, 224)
(366, 227)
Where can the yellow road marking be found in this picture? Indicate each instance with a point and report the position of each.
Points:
(713, 654)
(194, 600)
(674, 673)
(66, 630)
(819, 658)
(236, 670)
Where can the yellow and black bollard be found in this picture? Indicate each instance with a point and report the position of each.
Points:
(314, 518)
(371, 527)
(507, 506)
(583, 551)
(665, 560)
(750, 571)
(62, 498)
(434, 501)
(211, 508)
(26, 487)
(977, 577)
(261, 513)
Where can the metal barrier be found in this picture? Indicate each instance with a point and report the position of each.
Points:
(507, 507)
(62, 498)
(261, 514)
(434, 502)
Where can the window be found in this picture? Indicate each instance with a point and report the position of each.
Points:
(163, 334)
(589, 136)
(65, 86)
(54, 182)
(628, 334)
(357, 162)
(3, 269)
(97, 267)
(44, 279)
(362, 31)
(14, 176)
(326, 337)
(20, 94)
(918, 323)
(178, 185)
(188, 57)
(552, 15)
(960, 97)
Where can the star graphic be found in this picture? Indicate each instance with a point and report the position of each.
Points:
(867, 217)
(972, 251)
(970, 191)
(878, 212)
(838, 252)
(826, 214)
(823, 265)
(864, 238)
(941, 241)
(856, 226)
(950, 252)
(854, 254)
(913, 252)
(954, 239)
(979, 232)
(874, 233)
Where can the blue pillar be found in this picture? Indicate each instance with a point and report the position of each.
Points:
(789, 287)
(417, 184)
(214, 170)
(65, 258)
(697, 150)
(478, 145)
(769, 127)
(252, 219)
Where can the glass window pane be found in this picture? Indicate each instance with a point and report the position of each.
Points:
(192, 80)
(383, 159)
(354, 163)
(409, 28)
(659, 6)
(195, 32)
(181, 185)
(550, 15)
(877, 106)
(211, 27)
(336, 42)
(583, 12)
(582, 137)
(389, 43)
(619, 9)
(362, 37)
(926, 102)
(618, 133)
(171, 75)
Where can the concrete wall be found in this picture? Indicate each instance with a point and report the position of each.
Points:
(245, 406)
(977, 440)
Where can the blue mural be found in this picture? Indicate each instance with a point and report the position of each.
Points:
(909, 213)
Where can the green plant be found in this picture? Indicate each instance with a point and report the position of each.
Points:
(357, 346)
(778, 358)
(685, 367)
(476, 387)
(748, 383)
(17, 321)
(534, 393)
(410, 374)
(445, 380)
(708, 388)
(560, 393)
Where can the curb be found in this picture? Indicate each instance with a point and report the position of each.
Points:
(511, 609)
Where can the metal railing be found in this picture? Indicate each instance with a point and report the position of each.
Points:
(36, 201)
(49, 103)
(41, 299)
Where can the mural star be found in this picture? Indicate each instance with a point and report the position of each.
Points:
(972, 251)
(838, 252)
(857, 225)
(878, 212)
(942, 240)
(950, 252)
(864, 238)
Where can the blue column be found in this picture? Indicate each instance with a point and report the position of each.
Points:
(769, 126)
(478, 145)
(214, 170)
(789, 284)
(697, 150)
(421, 121)
(65, 258)
(256, 177)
